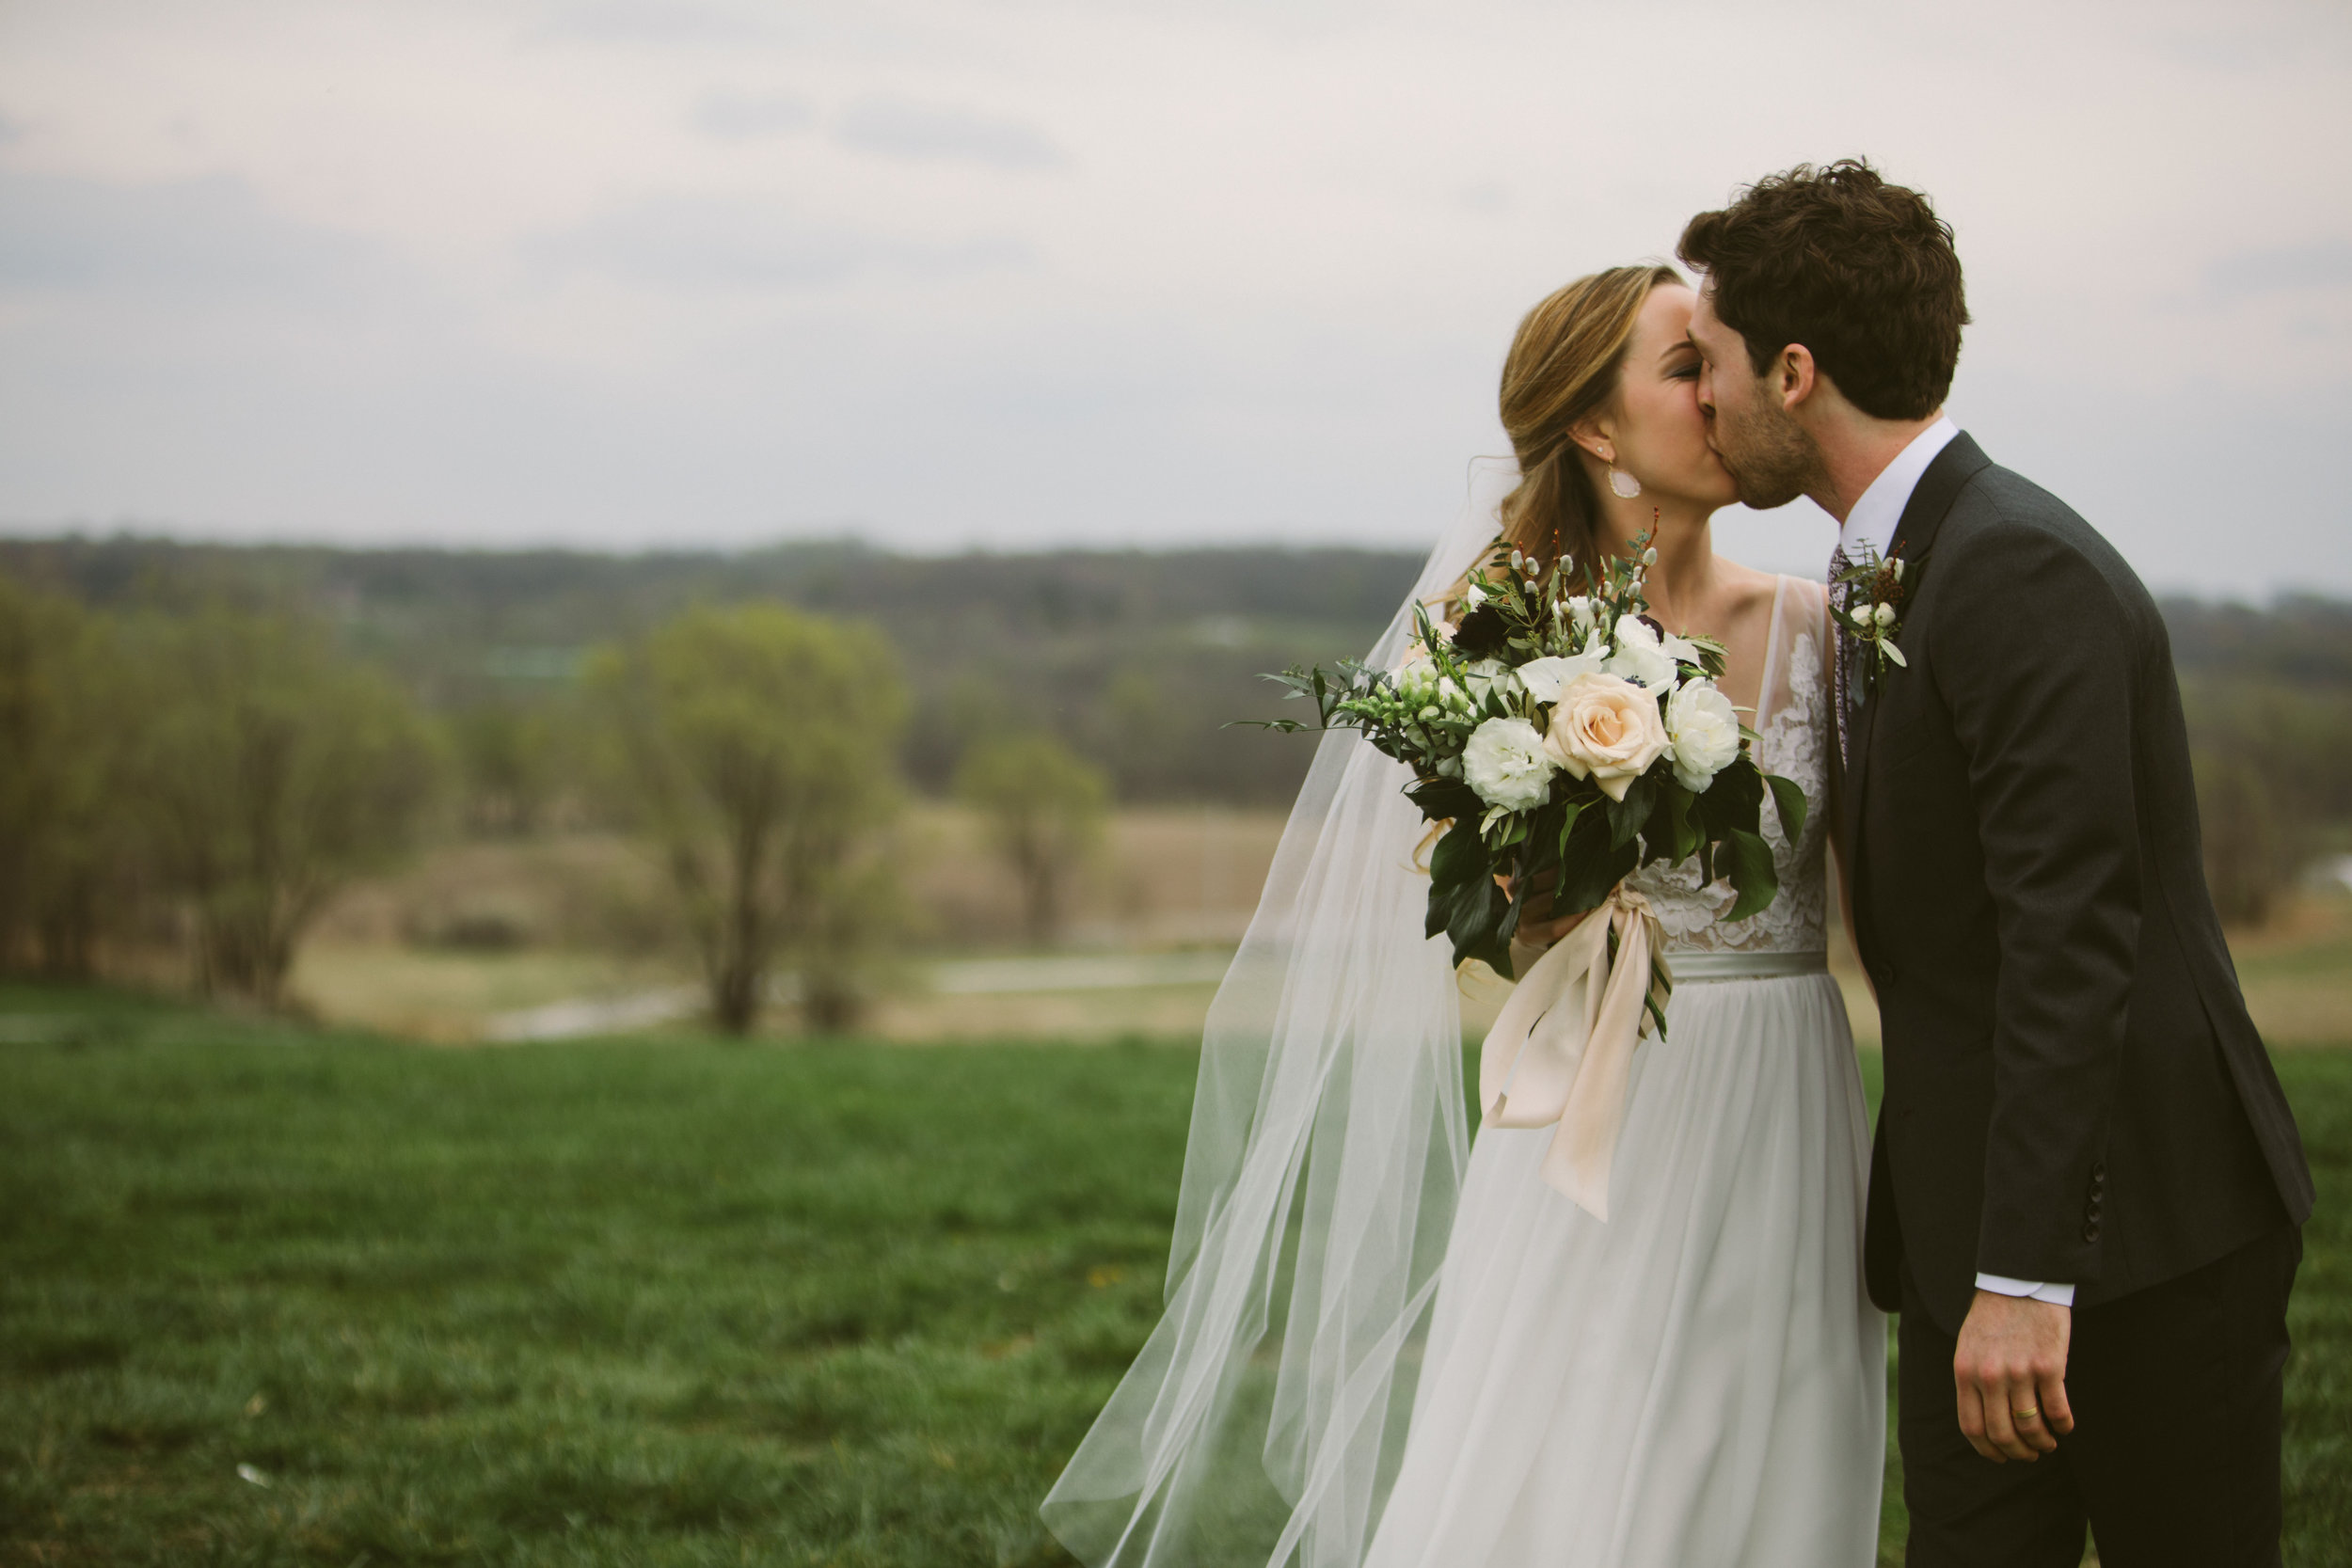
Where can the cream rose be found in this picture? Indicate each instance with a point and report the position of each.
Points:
(1505, 762)
(1606, 728)
(1703, 732)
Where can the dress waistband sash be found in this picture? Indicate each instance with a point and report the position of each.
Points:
(1705, 964)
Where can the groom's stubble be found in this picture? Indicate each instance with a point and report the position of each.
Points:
(1771, 456)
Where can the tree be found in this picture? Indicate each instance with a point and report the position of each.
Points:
(2270, 783)
(1044, 805)
(758, 747)
(268, 772)
(61, 753)
(507, 755)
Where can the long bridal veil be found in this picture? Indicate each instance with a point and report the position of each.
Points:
(1263, 1421)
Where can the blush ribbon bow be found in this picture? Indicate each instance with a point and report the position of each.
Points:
(1562, 1048)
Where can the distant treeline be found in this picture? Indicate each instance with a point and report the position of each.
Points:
(1135, 661)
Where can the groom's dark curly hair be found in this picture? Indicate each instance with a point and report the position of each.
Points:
(1860, 272)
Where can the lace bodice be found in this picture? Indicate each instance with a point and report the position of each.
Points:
(1794, 726)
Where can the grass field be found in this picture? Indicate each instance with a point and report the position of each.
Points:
(273, 1297)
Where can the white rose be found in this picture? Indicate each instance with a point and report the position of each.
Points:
(1506, 765)
(1608, 729)
(1639, 657)
(1887, 615)
(1703, 730)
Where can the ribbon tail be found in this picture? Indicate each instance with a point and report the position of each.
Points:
(1521, 1060)
(1578, 1163)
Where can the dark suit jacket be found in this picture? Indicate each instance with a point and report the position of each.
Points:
(2073, 1089)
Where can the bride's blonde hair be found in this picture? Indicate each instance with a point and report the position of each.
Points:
(1562, 370)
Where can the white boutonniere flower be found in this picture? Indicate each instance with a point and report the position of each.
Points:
(1870, 598)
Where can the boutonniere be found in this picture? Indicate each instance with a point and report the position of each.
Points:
(1872, 594)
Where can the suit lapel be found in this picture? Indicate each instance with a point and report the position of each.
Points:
(1932, 500)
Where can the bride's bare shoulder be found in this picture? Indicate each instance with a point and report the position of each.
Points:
(1751, 590)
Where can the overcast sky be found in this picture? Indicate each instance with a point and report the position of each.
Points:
(1017, 272)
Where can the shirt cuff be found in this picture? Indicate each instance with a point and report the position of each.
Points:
(2001, 1285)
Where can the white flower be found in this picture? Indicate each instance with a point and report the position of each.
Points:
(1488, 675)
(1450, 694)
(1581, 611)
(1649, 557)
(1545, 678)
(1506, 765)
(1680, 649)
(1703, 730)
(1639, 657)
(1608, 729)
(1885, 615)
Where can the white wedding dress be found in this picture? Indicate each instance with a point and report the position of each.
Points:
(1700, 1382)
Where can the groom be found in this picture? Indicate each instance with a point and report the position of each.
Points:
(2087, 1190)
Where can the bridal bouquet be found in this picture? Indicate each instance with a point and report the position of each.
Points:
(1560, 738)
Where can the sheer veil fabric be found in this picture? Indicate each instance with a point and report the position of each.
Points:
(1264, 1418)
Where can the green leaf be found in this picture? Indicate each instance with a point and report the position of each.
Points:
(1460, 857)
(1591, 868)
(1749, 864)
(1681, 835)
(1440, 798)
(1788, 800)
(1732, 801)
(1571, 811)
(1474, 926)
(1626, 817)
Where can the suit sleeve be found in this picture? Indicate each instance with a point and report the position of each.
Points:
(2035, 657)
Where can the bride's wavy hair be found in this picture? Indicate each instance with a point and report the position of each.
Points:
(1562, 370)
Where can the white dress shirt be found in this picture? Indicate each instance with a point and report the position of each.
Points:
(1872, 521)
(1870, 526)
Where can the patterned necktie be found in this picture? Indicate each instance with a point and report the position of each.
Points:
(1838, 593)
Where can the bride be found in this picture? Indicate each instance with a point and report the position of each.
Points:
(1387, 1349)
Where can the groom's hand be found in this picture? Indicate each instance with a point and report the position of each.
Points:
(2011, 1374)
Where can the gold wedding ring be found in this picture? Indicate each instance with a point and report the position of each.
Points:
(2028, 1413)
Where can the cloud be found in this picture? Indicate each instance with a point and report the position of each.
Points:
(896, 128)
(2323, 264)
(699, 242)
(742, 116)
(211, 235)
(658, 22)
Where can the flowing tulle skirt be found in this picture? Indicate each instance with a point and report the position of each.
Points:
(1699, 1383)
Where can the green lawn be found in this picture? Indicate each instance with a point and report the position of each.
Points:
(636, 1303)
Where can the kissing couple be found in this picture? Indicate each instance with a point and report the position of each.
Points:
(1389, 1346)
